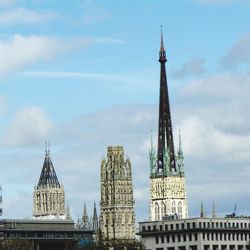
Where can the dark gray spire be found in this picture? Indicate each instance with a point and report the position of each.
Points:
(48, 176)
(165, 134)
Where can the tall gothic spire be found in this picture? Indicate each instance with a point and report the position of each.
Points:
(48, 175)
(165, 124)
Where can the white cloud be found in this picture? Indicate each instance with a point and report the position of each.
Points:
(7, 2)
(94, 12)
(25, 16)
(20, 51)
(238, 54)
(191, 68)
(29, 127)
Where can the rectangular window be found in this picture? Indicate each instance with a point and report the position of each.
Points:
(167, 238)
(160, 227)
(179, 238)
(194, 225)
(162, 239)
(173, 238)
(156, 240)
(195, 237)
(184, 237)
(190, 237)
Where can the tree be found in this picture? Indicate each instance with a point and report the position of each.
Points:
(15, 244)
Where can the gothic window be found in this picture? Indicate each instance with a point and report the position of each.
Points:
(163, 209)
(173, 207)
(157, 216)
(179, 207)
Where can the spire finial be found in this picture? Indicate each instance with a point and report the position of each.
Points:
(162, 44)
(202, 215)
(47, 147)
(213, 211)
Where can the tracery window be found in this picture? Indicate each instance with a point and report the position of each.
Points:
(179, 207)
(157, 211)
(173, 207)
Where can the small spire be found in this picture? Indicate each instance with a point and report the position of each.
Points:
(180, 145)
(151, 139)
(68, 217)
(162, 44)
(202, 214)
(213, 211)
(47, 148)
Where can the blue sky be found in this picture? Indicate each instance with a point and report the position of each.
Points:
(85, 74)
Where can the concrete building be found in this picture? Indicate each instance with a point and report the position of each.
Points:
(196, 234)
(117, 218)
(45, 234)
(167, 178)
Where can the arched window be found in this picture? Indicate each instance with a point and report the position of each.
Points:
(157, 210)
(179, 207)
(163, 209)
(173, 207)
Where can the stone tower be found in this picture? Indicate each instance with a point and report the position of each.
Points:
(167, 187)
(117, 218)
(48, 196)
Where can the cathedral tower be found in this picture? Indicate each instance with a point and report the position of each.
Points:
(167, 187)
(117, 219)
(48, 196)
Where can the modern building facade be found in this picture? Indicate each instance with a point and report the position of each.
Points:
(196, 234)
(48, 196)
(117, 218)
(167, 186)
(45, 234)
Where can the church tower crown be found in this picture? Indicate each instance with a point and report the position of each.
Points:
(48, 196)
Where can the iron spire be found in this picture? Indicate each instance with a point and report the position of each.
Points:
(165, 124)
